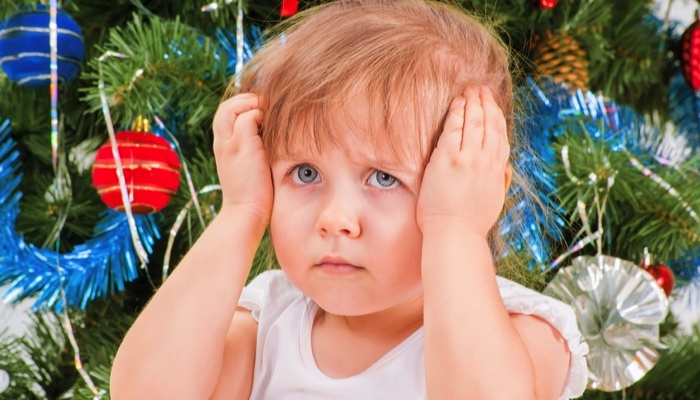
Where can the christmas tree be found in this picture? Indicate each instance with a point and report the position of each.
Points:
(94, 94)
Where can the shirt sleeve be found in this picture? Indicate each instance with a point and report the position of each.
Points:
(253, 294)
(267, 295)
(521, 300)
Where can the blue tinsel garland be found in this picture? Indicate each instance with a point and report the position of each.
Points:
(95, 268)
(684, 104)
(252, 40)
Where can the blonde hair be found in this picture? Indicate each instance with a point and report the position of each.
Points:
(407, 58)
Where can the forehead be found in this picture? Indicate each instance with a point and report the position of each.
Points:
(366, 129)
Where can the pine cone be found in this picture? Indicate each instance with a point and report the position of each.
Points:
(561, 57)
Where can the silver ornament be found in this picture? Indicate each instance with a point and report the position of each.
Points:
(619, 307)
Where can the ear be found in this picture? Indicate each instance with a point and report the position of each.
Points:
(509, 175)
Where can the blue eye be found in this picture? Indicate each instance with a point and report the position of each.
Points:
(304, 174)
(382, 180)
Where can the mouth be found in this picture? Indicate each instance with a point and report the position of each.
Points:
(336, 265)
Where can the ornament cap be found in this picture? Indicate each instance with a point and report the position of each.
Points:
(647, 258)
(142, 124)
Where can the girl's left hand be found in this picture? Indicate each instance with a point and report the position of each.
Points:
(467, 176)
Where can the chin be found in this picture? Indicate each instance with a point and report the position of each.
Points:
(349, 306)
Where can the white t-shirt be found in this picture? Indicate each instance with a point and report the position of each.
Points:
(285, 368)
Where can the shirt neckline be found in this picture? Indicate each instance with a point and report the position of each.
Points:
(307, 356)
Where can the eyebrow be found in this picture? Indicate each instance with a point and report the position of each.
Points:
(392, 162)
(389, 163)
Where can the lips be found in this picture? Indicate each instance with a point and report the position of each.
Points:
(336, 264)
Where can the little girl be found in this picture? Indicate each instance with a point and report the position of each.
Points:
(372, 137)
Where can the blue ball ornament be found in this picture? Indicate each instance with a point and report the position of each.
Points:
(25, 48)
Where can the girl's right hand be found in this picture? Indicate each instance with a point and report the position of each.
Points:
(241, 163)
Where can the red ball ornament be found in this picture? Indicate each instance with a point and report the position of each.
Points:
(289, 8)
(547, 4)
(690, 54)
(664, 277)
(662, 274)
(151, 171)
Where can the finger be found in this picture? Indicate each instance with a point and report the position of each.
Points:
(451, 138)
(244, 138)
(495, 130)
(473, 132)
(493, 113)
(228, 112)
(247, 126)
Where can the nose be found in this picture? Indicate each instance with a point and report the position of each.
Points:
(339, 216)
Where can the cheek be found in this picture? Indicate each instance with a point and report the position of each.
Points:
(280, 241)
(409, 248)
(398, 230)
(288, 228)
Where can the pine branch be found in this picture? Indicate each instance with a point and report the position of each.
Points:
(27, 108)
(638, 71)
(100, 328)
(100, 377)
(639, 212)
(10, 7)
(13, 361)
(160, 74)
(39, 364)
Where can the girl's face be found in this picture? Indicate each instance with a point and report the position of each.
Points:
(344, 228)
